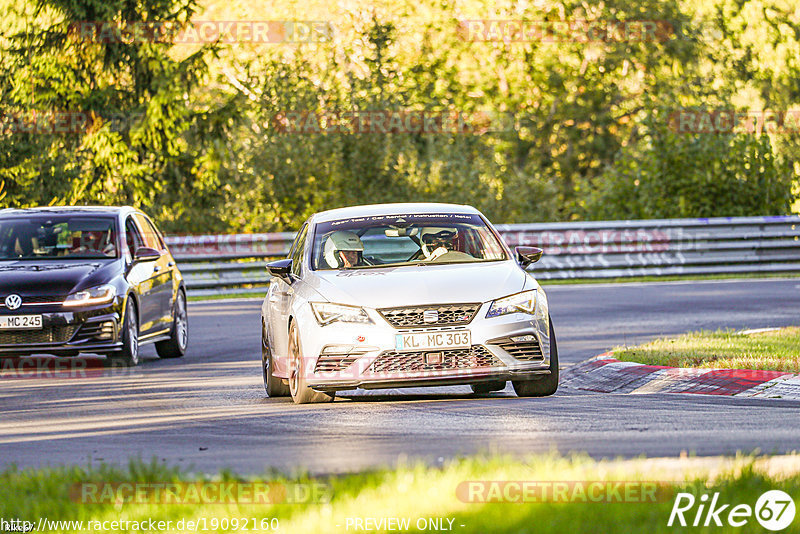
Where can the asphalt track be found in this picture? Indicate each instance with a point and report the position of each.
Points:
(209, 411)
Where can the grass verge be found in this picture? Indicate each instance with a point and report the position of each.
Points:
(420, 494)
(775, 350)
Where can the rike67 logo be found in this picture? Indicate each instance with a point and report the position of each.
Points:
(774, 510)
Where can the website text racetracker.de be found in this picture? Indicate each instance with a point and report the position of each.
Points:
(199, 524)
(34, 367)
(226, 492)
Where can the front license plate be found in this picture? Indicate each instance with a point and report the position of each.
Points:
(456, 339)
(20, 322)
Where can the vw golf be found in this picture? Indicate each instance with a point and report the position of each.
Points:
(88, 279)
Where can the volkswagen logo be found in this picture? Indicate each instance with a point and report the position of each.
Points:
(13, 302)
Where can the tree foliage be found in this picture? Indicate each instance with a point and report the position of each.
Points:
(198, 141)
(103, 120)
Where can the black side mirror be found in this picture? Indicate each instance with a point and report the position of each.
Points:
(282, 269)
(528, 255)
(144, 254)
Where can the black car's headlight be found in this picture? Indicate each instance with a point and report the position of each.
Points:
(524, 302)
(327, 313)
(94, 295)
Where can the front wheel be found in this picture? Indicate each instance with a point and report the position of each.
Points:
(128, 356)
(175, 346)
(545, 385)
(301, 393)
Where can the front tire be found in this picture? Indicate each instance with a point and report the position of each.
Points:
(272, 384)
(175, 346)
(128, 356)
(301, 393)
(541, 386)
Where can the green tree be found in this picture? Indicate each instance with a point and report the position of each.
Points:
(673, 174)
(138, 123)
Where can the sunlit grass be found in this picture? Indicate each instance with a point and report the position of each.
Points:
(418, 491)
(776, 350)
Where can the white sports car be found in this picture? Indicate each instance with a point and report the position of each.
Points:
(405, 295)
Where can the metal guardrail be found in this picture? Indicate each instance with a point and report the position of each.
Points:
(593, 249)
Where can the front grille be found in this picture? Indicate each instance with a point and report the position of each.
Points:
(334, 362)
(413, 316)
(26, 301)
(54, 334)
(474, 357)
(524, 351)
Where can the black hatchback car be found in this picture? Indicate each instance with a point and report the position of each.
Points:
(88, 279)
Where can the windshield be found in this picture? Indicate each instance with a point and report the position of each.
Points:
(390, 240)
(58, 237)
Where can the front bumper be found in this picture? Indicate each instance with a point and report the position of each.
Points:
(66, 331)
(344, 356)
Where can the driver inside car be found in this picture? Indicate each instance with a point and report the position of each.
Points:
(344, 249)
(94, 241)
(436, 245)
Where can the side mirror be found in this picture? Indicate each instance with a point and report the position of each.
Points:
(528, 255)
(144, 254)
(281, 269)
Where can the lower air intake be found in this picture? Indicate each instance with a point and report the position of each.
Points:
(474, 357)
(331, 363)
(50, 334)
(526, 351)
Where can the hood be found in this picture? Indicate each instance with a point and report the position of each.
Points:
(51, 277)
(425, 284)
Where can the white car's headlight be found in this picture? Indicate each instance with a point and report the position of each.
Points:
(524, 302)
(327, 313)
(94, 295)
